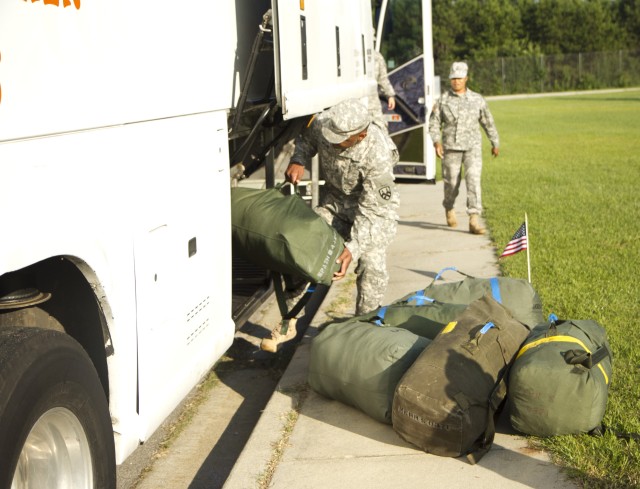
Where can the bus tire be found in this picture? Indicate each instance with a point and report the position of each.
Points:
(55, 425)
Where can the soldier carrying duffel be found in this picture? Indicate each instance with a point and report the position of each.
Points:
(359, 198)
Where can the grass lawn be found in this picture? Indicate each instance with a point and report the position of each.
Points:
(572, 163)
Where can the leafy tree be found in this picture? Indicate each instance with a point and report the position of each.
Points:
(492, 28)
(447, 31)
(403, 36)
(572, 26)
(628, 17)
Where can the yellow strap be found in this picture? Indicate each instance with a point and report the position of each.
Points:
(449, 327)
(568, 339)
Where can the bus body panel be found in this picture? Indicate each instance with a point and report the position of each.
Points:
(114, 155)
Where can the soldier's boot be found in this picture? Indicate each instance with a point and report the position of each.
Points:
(285, 331)
(474, 225)
(451, 218)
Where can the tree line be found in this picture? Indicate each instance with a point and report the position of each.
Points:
(475, 30)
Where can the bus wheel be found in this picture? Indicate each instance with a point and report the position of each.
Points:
(55, 427)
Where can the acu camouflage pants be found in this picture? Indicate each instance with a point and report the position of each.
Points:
(372, 276)
(451, 175)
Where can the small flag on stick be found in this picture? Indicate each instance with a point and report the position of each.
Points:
(517, 243)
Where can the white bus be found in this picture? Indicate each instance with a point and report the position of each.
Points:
(119, 122)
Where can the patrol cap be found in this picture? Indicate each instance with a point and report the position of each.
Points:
(344, 120)
(459, 69)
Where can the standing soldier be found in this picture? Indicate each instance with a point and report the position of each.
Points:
(359, 198)
(459, 113)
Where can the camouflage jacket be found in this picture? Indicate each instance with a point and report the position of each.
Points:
(383, 87)
(459, 117)
(382, 78)
(359, 183)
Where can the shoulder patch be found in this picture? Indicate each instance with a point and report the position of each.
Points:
(385, 188)
(385, 192)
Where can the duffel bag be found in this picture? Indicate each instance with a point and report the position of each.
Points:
(424, 317)
(446, 401)
(560, 379)
(517, 295)
(360, 364)
(283, 234)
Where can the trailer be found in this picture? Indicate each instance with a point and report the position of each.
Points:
(119, 125)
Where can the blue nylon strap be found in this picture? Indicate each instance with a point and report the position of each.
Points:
(487, 327)
(420, 298)
(495, 289)
(381, 314)
(444, 270)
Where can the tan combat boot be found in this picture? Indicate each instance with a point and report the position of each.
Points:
(283, 332)
(474, 225)
(451, 218)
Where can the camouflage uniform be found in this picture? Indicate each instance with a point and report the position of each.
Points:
(359, 198)
(460, 118)
(383, 87)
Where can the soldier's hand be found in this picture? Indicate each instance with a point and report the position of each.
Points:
(294, 173)
(495, 152)
(391, 103)
(345, 260)
(439, 150)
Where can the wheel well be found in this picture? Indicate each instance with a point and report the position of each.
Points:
(72, 308)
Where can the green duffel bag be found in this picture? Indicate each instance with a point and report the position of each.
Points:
(360, 364)
(559, 383)
(517, 295)
(424, 317)
(283, 234)
(446, 401)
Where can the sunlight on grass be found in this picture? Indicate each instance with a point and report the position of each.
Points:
(573, 165)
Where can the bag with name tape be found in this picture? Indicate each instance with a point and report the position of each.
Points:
(446, 401)
(360, 364)
(283, 234)
(560, 379)
(517, 295)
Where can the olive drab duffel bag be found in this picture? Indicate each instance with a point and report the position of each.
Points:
(560, 379)
(282, 233)
(517, 295)
(446, 401)
(360, 364)
(422, 316)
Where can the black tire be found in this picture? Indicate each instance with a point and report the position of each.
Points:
(45, 372)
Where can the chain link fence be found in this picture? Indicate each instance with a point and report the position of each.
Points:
(554, 73)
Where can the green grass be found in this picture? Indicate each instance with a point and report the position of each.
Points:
(572, 163)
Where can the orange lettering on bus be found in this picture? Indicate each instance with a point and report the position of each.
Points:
(65, 3)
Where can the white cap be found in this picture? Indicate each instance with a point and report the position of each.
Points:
(459, 69)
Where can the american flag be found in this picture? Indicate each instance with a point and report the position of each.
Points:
(517, 243)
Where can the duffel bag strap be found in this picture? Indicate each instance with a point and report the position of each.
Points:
(282, 301)
(484, 443)
(454, 269)
(379, 319)
(495, 284)
(585, 358)
(291, 188)
(419, 298)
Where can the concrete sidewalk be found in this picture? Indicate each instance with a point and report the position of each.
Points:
(305, 441)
